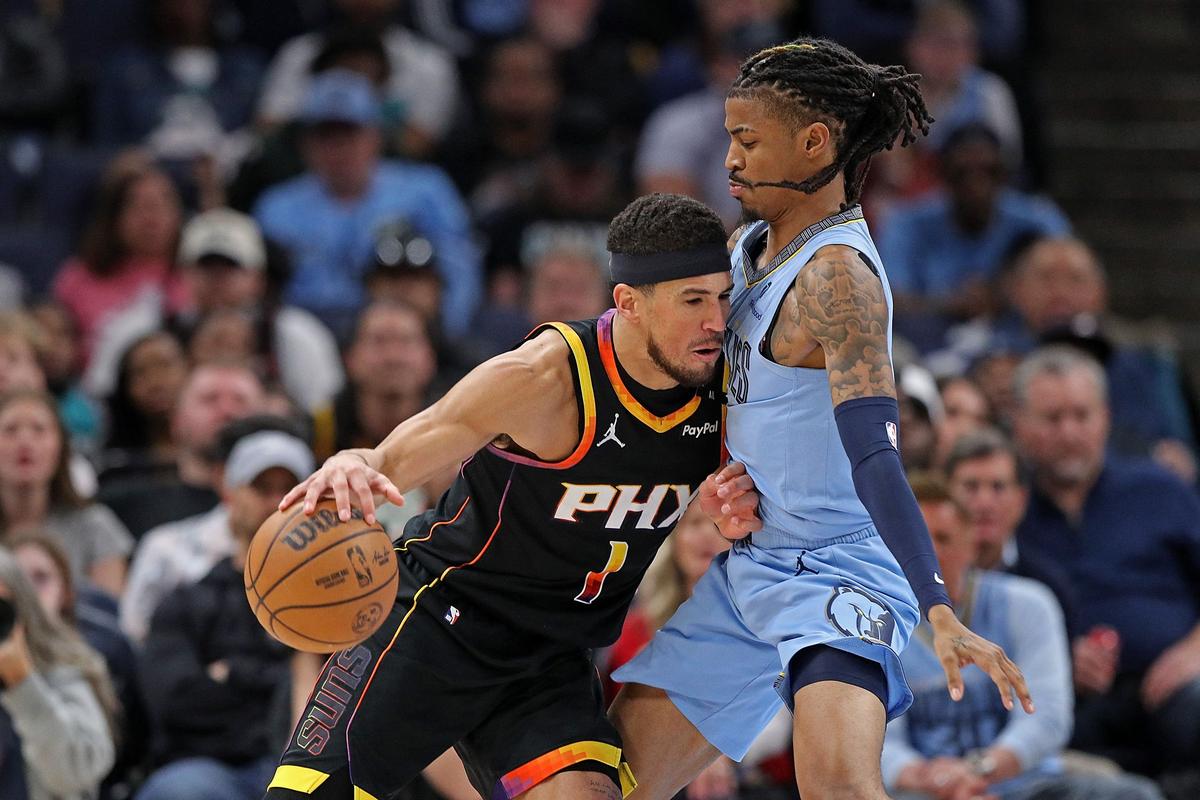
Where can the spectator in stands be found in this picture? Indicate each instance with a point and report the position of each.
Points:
(576, 190)
(223, 255)
(150, 376)
(212, 396)
(391, 372)
(36, 492)
(390, 367)
(19, 367)
(181, 553)
(277, 155)
(128, 252)
(976, 747)
(59, 359)
(34, 80)
(944, 49)
(1059, 293)
(215, 674)
(942, 253)
(983, 471)
(182, 89)
(404, 270)
(422, 83)
(594, 60)
(566, 284)
(326, 218)
(683, 144)
(920, 417)
(965, 408)
(1128, 533)
(57, 706)
(497, 154)
(93, 615)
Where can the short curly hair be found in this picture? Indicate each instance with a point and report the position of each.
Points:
(664, 223)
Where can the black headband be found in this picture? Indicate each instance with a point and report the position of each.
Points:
(637, 270)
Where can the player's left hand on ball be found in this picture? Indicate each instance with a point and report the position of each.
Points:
(729, 499)
(956, 647)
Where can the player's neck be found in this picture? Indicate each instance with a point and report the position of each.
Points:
(630, 350)
(804, 211)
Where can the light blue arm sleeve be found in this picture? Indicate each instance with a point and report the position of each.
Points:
(1039, 648)
(897, 752)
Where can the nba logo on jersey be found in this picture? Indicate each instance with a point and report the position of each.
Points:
(892, 435)
(452, 615)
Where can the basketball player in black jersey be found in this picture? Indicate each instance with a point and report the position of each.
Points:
(580, 450)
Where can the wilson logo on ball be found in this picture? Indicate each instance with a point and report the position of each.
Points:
(305, 532)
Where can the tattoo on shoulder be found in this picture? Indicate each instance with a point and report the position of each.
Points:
(733, 237)
(842, 306)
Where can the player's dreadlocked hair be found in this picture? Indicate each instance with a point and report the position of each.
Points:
(664, 223)
(865, 105)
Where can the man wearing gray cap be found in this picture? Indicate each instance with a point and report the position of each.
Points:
(213, 675)
(328, 217)
(256, 456)
(225, 259)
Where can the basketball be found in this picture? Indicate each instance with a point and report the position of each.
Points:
(319, 584)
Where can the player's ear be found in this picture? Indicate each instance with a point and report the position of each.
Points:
(629, 302)
(815, 140)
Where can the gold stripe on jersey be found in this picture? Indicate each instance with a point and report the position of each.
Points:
(641, 413)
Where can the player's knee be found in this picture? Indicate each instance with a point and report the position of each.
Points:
(838, 784)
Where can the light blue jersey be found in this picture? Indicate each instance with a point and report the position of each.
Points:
(780, 421)
(818, 573)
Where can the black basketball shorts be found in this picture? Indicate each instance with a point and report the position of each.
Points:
(443, 672)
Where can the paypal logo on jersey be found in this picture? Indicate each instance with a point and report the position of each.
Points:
(700, 430)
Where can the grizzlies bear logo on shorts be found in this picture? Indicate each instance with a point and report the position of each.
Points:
(854, 612)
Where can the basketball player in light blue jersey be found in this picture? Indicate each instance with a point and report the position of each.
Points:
(814, 608)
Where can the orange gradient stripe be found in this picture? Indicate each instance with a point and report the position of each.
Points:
(655, 423)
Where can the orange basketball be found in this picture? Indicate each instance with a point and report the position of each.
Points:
(317, 583)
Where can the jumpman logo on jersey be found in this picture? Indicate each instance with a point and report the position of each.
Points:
(611, 435)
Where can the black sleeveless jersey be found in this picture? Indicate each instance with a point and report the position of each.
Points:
(559, 548)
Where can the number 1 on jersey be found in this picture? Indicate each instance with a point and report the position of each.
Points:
(595, 580)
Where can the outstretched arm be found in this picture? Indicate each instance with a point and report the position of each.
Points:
(527, 394)
(840, 305)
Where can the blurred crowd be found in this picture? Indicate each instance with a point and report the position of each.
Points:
(237, 236)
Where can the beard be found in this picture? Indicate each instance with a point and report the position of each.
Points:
(691, 377)
(749, 215)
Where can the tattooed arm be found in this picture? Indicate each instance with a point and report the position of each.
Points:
(840, 308)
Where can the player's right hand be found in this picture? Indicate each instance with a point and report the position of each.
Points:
(729, 499)
(350, 481)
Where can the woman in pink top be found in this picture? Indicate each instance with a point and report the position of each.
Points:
(128, 252)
